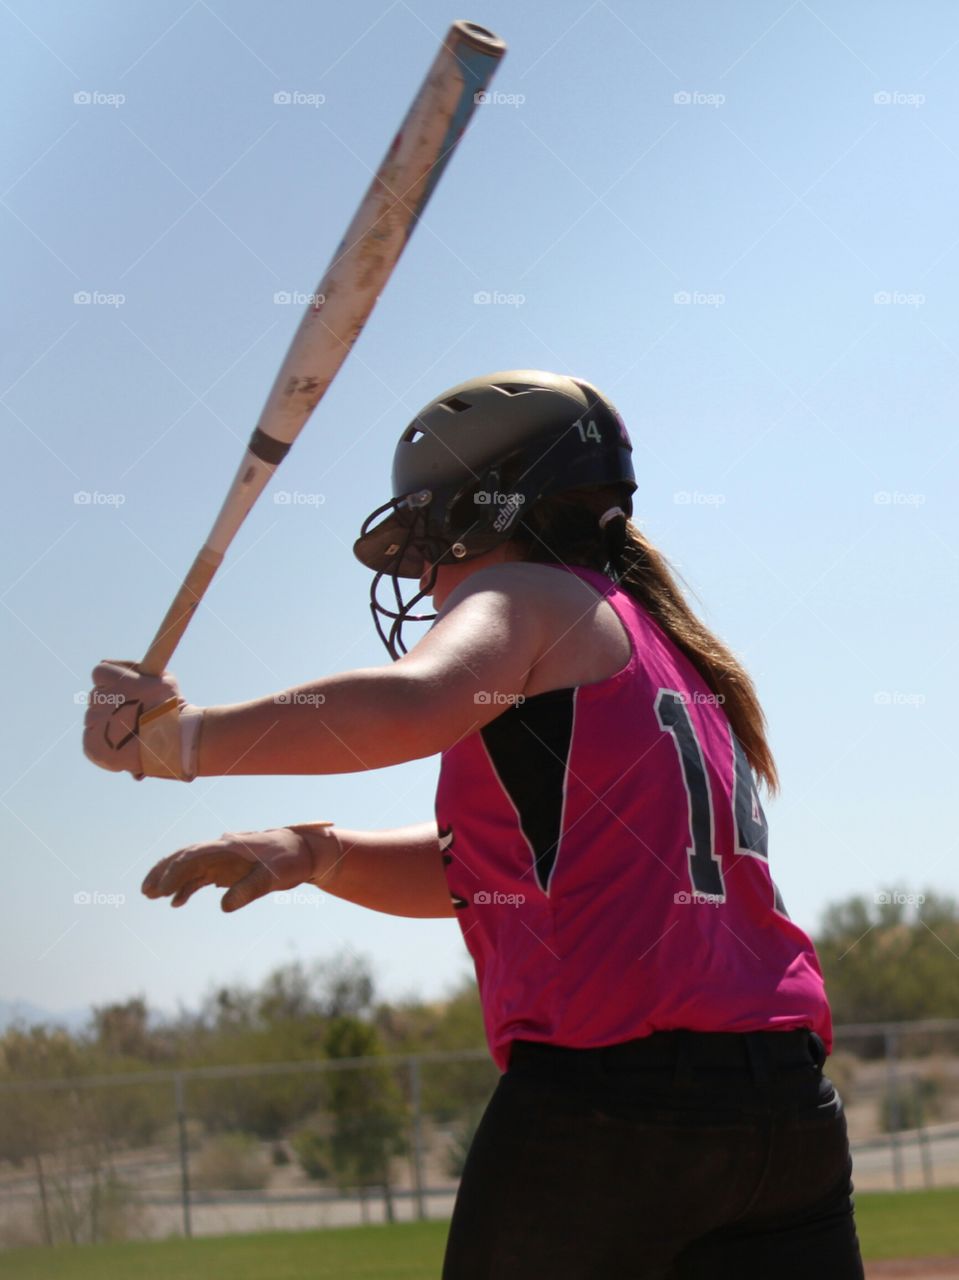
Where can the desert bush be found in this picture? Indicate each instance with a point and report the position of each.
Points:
(230, 1162)
(79, 1210)
(312, 1149)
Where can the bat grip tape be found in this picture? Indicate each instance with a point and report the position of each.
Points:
(267, 449)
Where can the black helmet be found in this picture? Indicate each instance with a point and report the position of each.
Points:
(474, 460)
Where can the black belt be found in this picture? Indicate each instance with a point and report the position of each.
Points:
(695, 1048)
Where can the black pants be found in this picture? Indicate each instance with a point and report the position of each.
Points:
(674, 1157)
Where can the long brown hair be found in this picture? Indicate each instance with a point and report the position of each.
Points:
(565, 530)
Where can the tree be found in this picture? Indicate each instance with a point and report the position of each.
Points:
(32, 1123)
(891, 957)
(286, 1019)
(70, 1134)
(451, 1091)
(362, 1125)
(122, 1031)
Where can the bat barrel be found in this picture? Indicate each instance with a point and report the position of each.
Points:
(455, 84)
(344, 298)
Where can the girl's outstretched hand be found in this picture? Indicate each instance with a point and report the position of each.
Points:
(248, 864)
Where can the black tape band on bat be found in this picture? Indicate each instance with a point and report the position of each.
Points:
(267, 449)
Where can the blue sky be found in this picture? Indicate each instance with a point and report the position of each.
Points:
(738, 220)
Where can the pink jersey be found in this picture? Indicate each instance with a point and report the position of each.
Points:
(606, 852)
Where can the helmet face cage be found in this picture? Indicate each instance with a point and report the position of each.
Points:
(409, 518)
(384, 617)
(460, 520)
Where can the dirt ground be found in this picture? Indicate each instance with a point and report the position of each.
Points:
(914, 1269)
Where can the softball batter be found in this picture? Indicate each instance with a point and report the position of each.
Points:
(660, 1022)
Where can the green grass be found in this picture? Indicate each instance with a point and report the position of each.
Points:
(908, 1224)
(407, 1251)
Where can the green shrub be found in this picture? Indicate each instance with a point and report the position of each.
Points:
(230, 1162)
(312, 1150)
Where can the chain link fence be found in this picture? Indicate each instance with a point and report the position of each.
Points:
(273, 1146)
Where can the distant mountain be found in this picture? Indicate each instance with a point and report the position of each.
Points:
(12, 1011)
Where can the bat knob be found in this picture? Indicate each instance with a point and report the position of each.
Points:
(479, 37)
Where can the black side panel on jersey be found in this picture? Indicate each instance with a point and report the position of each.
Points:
(529, 747)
